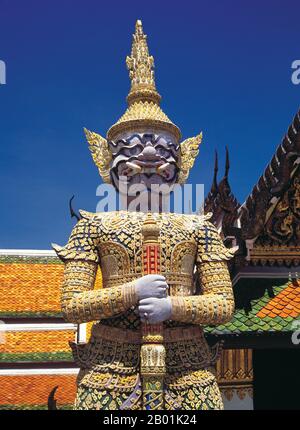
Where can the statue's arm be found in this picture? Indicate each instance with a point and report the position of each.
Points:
(215, 304)
(80, 303)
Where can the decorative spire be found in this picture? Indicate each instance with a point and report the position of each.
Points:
(214, 187)
(227, 164)
(224, 187)
(141, 69)
(220, 200)
(210, 200)
(226, 203)
(143, 100)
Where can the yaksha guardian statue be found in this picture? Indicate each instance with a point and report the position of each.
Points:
(147, 348)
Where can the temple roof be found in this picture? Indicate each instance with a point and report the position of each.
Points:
(221, 201)
(30, 284)
(30, 287)
(276, 310)
(266, 227)
(266, 196)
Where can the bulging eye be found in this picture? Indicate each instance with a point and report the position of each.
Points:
(163, 152)
(134, 150)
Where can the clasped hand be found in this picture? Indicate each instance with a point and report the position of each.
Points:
(154, 304)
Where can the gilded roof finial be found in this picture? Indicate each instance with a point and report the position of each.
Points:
(141, 69)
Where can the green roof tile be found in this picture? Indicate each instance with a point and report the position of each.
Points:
(249, 322)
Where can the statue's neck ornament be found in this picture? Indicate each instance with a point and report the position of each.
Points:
(143, 117)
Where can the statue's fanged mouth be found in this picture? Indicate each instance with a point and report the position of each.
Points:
(162, 169)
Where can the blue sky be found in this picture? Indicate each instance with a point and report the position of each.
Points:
(223, 67)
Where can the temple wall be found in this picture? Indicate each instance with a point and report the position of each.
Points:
(235, 377)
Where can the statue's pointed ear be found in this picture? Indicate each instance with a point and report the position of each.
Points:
(189, 151)
(100, 152)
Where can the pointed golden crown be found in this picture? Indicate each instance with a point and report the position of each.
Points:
(143, 99)
(143, 112)
(141, 69)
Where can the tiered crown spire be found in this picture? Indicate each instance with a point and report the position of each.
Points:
(143, 99)
(141, 69)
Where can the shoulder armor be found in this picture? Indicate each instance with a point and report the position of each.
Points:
(86, 214)
(81, 244)
(210, 244)
(67, 254)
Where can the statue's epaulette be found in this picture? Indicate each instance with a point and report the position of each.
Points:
(200, 218)
(86, 214)
(210, 244)
(81, 244)
(65, 254)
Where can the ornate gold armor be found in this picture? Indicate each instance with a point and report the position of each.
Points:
(129, 363)
(193, 260)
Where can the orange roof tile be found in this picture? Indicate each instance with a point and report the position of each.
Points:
(32, 287)
(35, 389)
(285, 304)
(36, 341)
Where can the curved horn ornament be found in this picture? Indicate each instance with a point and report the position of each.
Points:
(101, 153)
(189, 151)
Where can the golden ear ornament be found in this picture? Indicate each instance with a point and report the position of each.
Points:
(101, 153)
(189, 151)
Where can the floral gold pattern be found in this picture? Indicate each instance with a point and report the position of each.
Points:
(110, 361)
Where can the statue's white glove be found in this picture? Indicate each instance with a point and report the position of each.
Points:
(155, 310)
(151, 286)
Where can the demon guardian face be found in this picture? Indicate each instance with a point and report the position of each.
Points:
(144, 159)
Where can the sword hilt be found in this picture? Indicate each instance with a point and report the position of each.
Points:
(153, 354)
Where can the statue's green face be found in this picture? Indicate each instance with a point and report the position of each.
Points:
(145, 159)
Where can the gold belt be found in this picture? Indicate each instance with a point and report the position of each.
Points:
(174, 334)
